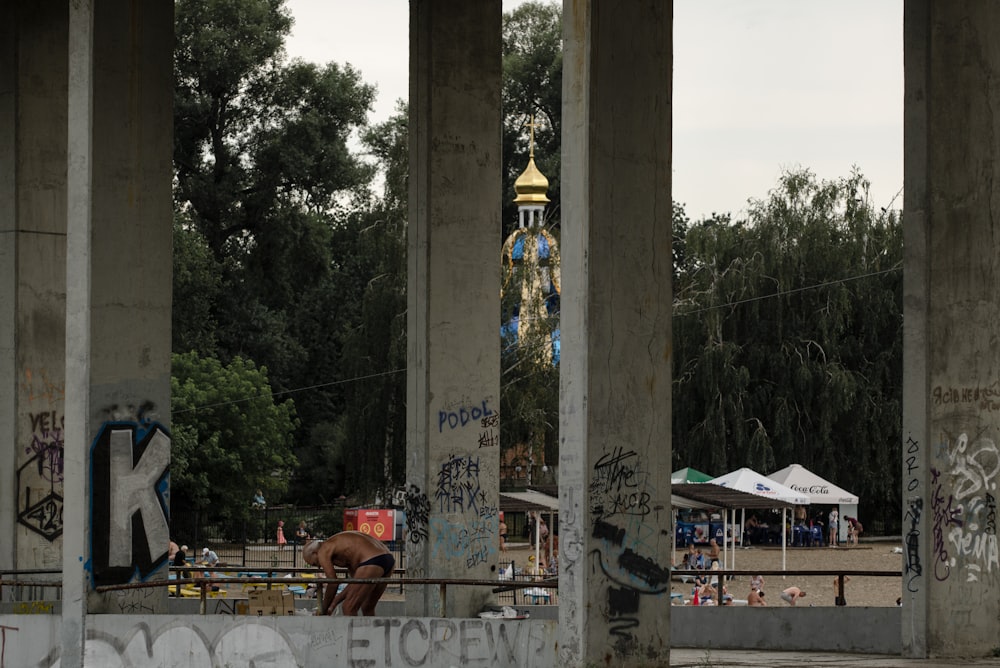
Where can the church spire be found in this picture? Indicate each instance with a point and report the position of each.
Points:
(531, 186)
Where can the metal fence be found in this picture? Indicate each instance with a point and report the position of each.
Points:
(252, 542)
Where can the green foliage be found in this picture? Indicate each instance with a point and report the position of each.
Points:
(197, 288)
(788, 339)
(229, 437)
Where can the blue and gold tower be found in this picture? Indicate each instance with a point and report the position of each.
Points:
(531, 269)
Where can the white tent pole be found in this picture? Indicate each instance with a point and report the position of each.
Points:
(733, 523)
(673, 531)
(784, 537)
(538, 536)
(725, 534)
(551, 538)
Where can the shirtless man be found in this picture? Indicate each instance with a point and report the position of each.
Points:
(755, 598)
(791, 595)
(363, 557)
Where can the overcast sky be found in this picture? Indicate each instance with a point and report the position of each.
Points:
(759, 86)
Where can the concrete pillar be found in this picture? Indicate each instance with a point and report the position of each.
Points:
(453, 375)
(8, 278)
(33, 66)
(118, 277)
(951, 393)
(614, 580)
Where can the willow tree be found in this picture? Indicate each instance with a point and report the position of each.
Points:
(788, 338)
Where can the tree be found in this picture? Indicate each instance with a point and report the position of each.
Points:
(229, 437)
(267, 193)
(788, 339)
(532, 86)
(263, 168)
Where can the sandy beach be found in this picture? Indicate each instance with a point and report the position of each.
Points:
(860, 591)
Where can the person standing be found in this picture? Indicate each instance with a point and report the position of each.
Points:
(713, 552)
(364, 557)
(302, 533)
(281, 535)
(854, 530)
(503, 535)
(838, 593)
(180, 559)
(833, 526)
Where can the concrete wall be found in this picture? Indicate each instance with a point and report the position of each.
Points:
(306, 640)
(858, 630)
(280, 642)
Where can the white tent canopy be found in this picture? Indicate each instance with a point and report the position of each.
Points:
(819, 491)
(748, 480)
(751, 482)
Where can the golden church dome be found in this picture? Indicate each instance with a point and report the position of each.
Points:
(531, 186)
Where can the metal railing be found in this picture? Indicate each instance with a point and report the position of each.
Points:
(724, 575)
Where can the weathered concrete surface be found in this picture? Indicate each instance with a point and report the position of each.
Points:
(852, 629)
(303, 640)
(453, 302)
(615, 367)
(951, 390)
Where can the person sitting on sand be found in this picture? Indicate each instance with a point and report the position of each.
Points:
(755, 598)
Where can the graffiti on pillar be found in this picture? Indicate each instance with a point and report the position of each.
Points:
(620, 501)
(463, 414)
(618, 485)
(458, 488)
(489, 434)
(913, 568)
(963, 506)
(40, 477)
(475, 543)
(130, 506)
(944, 515)
(418, 509)
(37, 386)
(459, 491)
(974, 466)
(40, 501)
(39, 480)
(47, 444)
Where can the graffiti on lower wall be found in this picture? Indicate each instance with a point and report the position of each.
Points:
(361, 642)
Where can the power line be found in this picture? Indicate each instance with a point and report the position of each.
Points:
(785, 293)
(292, 391)
(382, 374)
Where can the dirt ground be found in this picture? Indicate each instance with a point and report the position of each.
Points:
(860, 591)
